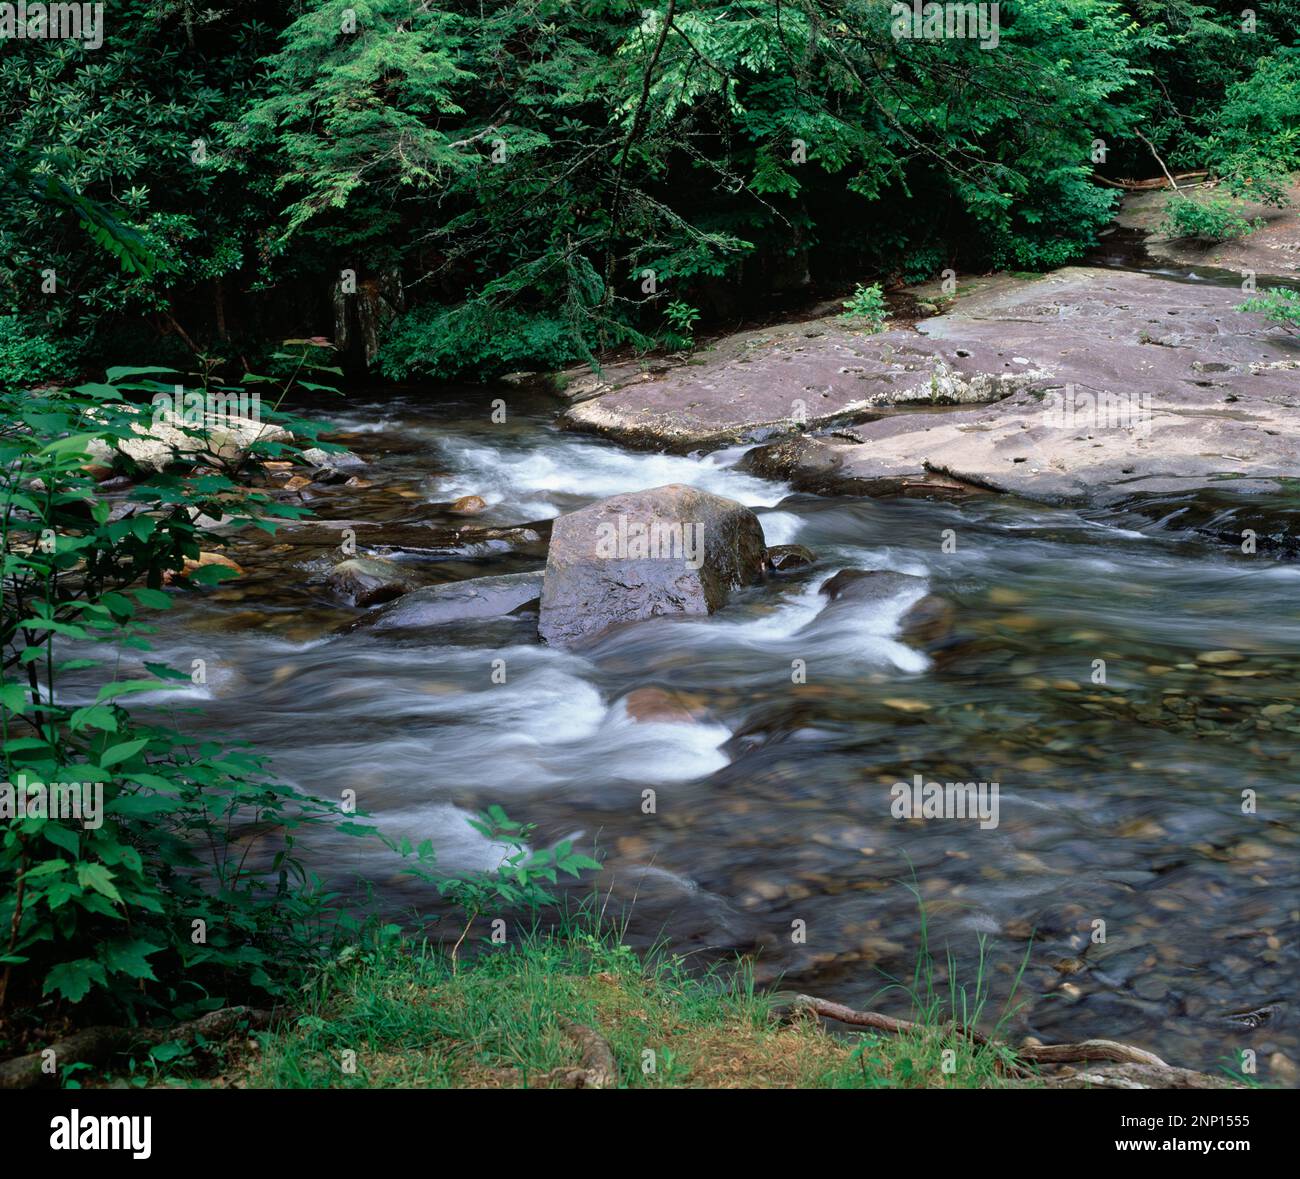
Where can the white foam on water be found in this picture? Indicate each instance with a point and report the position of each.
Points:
(364, 423)
(660, 750)
(458, 846)
(647, 878)
(780, 527)
(530, 481)
(544, 725)
(544, 707)
(871, 635)
(802, 624)
(794, 612)
(1114, 529)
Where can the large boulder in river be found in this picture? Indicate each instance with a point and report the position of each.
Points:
(670, 550)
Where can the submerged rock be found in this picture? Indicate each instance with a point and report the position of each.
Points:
(329, 477)
(456, 601)
(925, 621)
(648, 705)
(416, 543)
(367, 581)
(868, 585)
(785, 557)
(670, 550)
(929, 621)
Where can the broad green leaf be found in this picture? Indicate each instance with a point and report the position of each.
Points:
(125, 687)
(122, 751)
(128, 957)
(99, 878)
(121, 373)
(73, 980)
(95, 716)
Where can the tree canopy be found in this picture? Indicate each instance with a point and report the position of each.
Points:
(528, 182)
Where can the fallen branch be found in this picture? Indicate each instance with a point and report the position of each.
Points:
(96, 1045)
(1087, 1050)
(1143, 185)
(1172, 182)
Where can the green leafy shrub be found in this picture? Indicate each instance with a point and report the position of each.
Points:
(30, 355)
(1213, 219)
(682, 318)
(1255, 138)
(475, 341)
(866, 307)
(518, 882)
(137, 902)
(1280, 304)
(107, 171)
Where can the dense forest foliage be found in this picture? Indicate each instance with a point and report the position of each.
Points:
(459, 189)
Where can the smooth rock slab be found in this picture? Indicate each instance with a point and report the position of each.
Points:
(455, 601)
(780, 380)
(1207, 397)
(670, 550)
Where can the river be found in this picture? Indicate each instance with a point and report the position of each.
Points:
(1120, 802)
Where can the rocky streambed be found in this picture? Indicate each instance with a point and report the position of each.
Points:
(975, 595)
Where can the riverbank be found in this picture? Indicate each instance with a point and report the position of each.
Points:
(577, 1010)
(1080, 386)
(1271, 248)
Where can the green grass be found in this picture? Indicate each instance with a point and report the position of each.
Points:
(412, 1020)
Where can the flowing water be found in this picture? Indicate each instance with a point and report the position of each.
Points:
(1121, 802)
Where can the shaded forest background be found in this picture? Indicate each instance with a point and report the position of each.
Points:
(455, 190)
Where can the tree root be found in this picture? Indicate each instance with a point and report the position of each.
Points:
(96, 1045)
(1139, 1076)
(873, 1019)
(597, 1068)
(1141, 1069)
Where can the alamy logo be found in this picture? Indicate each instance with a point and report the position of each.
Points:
(945, 800)
(78, 1131)
(53, 22)
(1074, 409)
(946, 22)
(196, 409)
(660, 540)
(82, 802)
